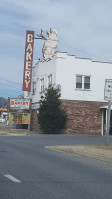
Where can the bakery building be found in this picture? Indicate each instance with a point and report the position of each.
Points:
(81, 83)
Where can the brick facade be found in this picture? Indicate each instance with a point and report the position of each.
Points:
(84, 117)
(34, 121)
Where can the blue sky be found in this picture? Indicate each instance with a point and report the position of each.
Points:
(84, 30)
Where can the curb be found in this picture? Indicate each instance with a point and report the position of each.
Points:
(100, 153)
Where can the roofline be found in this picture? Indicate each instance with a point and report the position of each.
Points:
(86, 58)
(89, 59)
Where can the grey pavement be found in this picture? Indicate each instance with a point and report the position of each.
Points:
(49, 174)
(99, 152)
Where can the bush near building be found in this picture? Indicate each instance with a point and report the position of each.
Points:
(52, 117)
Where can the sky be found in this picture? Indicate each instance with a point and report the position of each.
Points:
(84, 30)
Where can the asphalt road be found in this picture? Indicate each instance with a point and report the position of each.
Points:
(30, 171)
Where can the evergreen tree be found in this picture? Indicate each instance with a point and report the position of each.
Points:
(3, 102)
(52, 118)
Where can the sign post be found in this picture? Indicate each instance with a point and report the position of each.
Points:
(108, 97)
(108, 122)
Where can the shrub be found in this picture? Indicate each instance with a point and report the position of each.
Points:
(52, 118)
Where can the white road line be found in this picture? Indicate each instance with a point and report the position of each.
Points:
(12, 178)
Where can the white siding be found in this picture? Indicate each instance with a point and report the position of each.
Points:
(40, 71)
(64, 69)
(67, 69)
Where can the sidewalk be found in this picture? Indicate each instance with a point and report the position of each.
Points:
(98, 152)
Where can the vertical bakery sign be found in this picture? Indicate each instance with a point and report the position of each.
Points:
(28, 60)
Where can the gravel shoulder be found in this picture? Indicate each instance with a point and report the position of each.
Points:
(6, 133)
(98, 152)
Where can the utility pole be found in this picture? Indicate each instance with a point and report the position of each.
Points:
(108, 97)
(108, 122)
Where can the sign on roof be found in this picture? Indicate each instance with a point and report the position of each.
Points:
(28, 60)
(20, 103)
(108, 90)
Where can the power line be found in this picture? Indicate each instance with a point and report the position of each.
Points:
(13, 90)
(85, 52)
(4, 94)
(4, 85)
(9, 94)
(10, 81)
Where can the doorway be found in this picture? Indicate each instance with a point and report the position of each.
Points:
(104, 122)
(110, 131)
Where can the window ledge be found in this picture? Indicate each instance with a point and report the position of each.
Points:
(41, 92)
(78, 89)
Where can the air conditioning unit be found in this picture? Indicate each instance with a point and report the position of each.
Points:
(58, 88)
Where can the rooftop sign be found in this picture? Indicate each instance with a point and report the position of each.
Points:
(28, 60)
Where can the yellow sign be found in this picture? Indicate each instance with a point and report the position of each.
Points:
(3, 109)
(19, 118)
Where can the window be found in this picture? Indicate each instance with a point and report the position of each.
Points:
(34, 88)
(78, 81)
(42, 85)
(86, 82)
(82, 82)
(50, 80)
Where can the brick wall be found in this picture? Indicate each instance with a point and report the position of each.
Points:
(84, 117)
(34, 121)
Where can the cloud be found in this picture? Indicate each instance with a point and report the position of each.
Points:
(84, 29)
(11, 39)
(80, 24)
(13, 67)
(83, 25)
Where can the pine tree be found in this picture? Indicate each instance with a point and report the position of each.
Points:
(3, 102)
(52, 118)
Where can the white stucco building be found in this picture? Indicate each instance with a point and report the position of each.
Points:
(81, 83)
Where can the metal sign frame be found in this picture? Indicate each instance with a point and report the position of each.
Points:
(108, 97)
(108, 90)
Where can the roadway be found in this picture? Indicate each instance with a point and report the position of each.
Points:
(28, 170)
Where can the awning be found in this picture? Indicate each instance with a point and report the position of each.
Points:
(105, 107)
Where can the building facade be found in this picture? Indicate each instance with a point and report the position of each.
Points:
(3, 114)
(81, 84)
